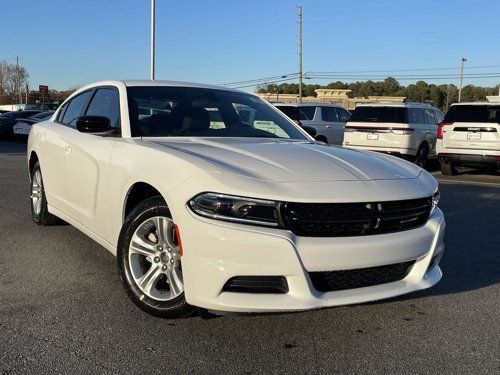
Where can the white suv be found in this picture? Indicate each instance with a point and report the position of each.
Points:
(403, 129)
(327, 119)
(469, 136)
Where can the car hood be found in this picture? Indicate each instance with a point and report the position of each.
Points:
(289, 160)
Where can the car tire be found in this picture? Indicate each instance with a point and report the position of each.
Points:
(149, 261)
(448, 169)
(39, 210)
(422, 156)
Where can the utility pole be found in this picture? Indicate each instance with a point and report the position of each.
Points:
(300, 54)
(18, 81)
(152, 57)
(461, 78)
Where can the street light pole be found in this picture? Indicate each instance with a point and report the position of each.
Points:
(300, 54)
(152, 57)
(461, 78)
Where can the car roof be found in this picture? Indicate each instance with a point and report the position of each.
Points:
(156, 83)
(396, 105)
(308, 104)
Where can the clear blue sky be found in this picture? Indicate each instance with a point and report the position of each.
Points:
(66, 43)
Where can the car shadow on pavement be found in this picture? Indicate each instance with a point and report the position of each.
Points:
(12, 147)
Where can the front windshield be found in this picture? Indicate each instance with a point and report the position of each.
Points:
(200, 112)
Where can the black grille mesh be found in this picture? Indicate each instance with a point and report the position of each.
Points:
(359, 278)
(356, 219)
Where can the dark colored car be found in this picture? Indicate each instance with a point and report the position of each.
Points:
(7, 121)
(23, 125)
(2, 111)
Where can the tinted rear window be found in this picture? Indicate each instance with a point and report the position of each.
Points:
(473, 113)
(379, 114)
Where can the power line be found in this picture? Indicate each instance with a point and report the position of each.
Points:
(265, 83)
(260, 79)
(411, 70)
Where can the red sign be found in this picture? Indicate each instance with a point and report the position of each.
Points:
(43, 88)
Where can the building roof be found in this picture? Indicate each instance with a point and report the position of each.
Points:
(307, 104)
(477, 103)
(394, 104)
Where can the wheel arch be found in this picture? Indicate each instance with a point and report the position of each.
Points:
(137, 193)
(33, 158)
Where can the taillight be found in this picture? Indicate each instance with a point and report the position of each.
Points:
(440, 129)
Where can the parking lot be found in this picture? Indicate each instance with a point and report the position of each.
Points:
(63, 308)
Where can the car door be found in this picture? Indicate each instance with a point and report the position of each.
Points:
(332, 128)
(53, 147)
(87, 162)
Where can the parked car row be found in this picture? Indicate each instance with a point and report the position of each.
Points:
(9, 119)
(23, 125)
(18, 123)
(469, 134)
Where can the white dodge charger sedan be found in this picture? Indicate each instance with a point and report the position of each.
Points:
(205, 207)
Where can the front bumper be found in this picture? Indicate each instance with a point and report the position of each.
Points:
(216, 251)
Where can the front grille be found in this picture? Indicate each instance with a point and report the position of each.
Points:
(359, 278)
(356, 219)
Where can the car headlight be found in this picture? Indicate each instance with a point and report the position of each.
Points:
(435, 200)
(237, 209)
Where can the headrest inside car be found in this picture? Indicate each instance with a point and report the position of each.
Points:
(195, 119)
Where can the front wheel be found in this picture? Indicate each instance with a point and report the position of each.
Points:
(149, 260)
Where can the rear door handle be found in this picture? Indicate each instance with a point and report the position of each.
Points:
(67, 150)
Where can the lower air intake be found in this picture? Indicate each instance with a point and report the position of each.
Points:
(257, 284)
(359, 278)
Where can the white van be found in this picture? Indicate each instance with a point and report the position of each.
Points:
(403, 129)
(469, 136)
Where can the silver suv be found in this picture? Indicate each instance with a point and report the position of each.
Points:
(327, 119)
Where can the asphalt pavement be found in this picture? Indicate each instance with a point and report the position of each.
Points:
(63, 310)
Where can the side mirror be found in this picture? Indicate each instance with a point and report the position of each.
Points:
(309, 130)
(93, 124)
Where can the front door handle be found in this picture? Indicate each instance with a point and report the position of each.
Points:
(67, 150)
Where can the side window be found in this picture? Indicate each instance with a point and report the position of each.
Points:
(105, 103)
(307, 113)
(343, 115)
(76, 107)
(416, 116)
(429, 116)
(439, 116)
(329, 114)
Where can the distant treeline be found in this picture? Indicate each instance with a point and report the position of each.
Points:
(441, 96)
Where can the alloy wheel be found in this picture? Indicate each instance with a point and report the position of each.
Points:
(155, 259)
(36, 192)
